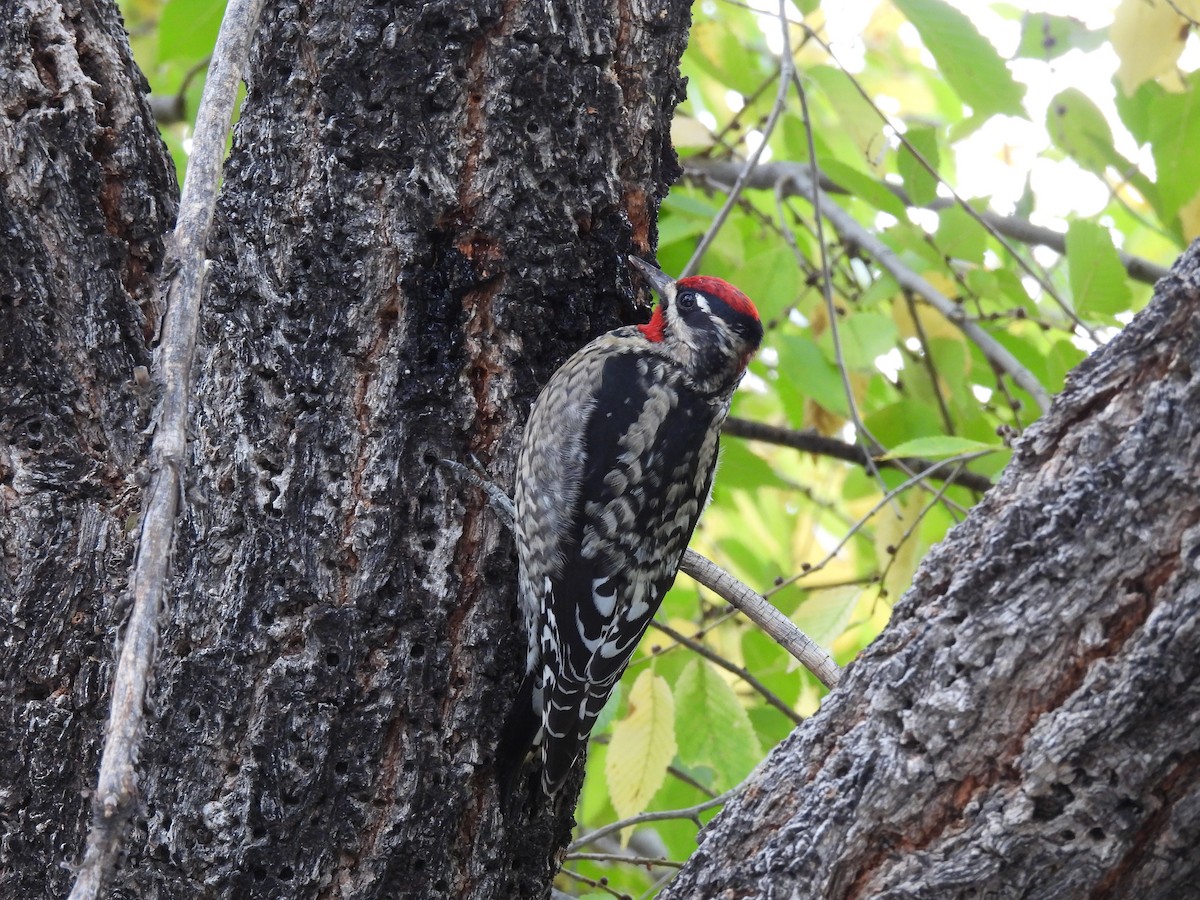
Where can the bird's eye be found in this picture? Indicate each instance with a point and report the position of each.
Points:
(687, 301)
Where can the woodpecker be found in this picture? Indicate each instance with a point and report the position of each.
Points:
(615, 466)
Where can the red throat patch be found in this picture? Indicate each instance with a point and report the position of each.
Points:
(653, 329)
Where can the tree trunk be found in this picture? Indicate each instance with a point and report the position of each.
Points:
(87, 192)
(1029, 723)
(427, 208)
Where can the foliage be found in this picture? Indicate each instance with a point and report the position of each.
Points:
(901, 120)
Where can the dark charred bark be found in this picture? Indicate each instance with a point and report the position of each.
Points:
(427, 208)
(1029, 723)
(87, 192)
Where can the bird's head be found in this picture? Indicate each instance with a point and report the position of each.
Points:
(711, 326)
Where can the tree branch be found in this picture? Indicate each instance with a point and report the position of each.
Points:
(767, 175)
(810, 442)
(759, 610)
(753, 605)
(116, 789)
(740, 671)
(854, 233)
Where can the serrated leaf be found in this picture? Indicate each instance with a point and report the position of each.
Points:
(960, 236)
(713, 727)
(920, 183)
(1098, 280)
(938, 446)
(826, 613)
(967, 60)
(1174, 136)
(642, 746)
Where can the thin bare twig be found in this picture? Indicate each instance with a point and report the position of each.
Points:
(691, 813)
(753, 605)
(819, 444)
(630, 860)
(740, 671)
(116, 789)
(759, 610)
(997, 354)
(766, 176)
(899, 489)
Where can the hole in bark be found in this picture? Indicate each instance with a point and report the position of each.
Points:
(258, 832)
(1096, 834)
(418, 650)
(339, 767)
(194, 714)
(286, 873)
(332, 658)
(429, 545)
(533, 128)
(259, 873)
(1067, 834)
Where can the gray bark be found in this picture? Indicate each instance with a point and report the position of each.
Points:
(1028, 725)
(87, 191)
(427, 208)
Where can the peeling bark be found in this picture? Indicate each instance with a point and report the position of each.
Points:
(1028, 725)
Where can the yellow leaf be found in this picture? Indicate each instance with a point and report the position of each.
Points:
(897, 542)
(1148, 36)
(642, 746)
(934, 324)
(689, 132)
(1189, 217)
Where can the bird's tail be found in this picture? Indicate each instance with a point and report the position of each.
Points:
(517, 738)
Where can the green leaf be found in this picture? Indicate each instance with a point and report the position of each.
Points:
(1098, 280)
(188, 29)
(642, 746)
(772, 278)
(863, 337)
(804, 369)
(960, 236)
(939, 446)
(826, 613)
(864, 187)
(1047, 37)
(713, 727)
(858, 118)
(968, 61)
(1079, 128)
(904, 420)
(920, 183)
(1174, 137)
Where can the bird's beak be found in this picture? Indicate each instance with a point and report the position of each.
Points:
(659, 280)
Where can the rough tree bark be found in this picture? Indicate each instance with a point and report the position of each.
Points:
(427, 207)
(87, 192)
(1029, 723)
